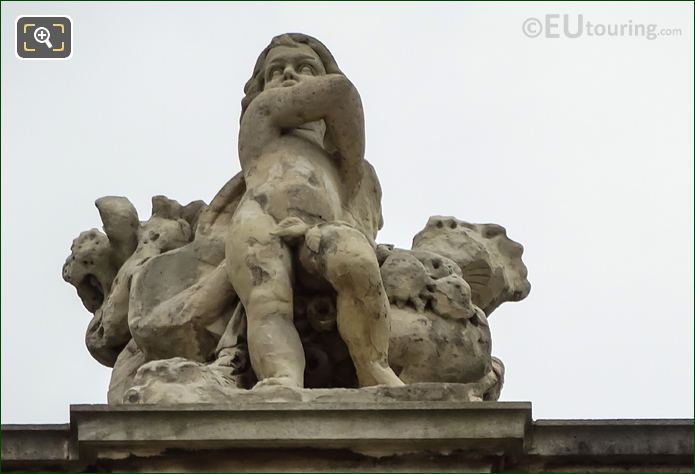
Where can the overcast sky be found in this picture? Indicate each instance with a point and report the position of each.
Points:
(582, 148)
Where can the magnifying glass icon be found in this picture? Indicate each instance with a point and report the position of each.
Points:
(42, 35)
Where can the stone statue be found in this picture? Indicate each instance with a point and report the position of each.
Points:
(278, 286)
(301, 148)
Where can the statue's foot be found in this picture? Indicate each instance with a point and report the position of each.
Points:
(276, 382)
(378, 374)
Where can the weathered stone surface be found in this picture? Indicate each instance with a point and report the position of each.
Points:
(402, 434)
(428, 348)
(129, 246)
(127, 364)
(314, 204)
(279, 281)
(179, 380)
(406, 280)
(181, 300)
(489, 260)
(437, 333)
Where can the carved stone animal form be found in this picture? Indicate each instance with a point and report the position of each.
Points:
(405, 279)
(102, 267)
(90, 269)
(181, 301)
(490, 261)
(436, 265)
(426, 347)
(451, 298)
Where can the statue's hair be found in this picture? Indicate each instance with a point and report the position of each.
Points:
(255, 85)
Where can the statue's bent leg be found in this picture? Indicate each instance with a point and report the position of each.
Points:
(260, 269)
(349, 263)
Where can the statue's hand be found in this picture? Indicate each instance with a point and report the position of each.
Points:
(291, 229)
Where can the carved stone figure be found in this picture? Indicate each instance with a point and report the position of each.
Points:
(301, 148)
(278, 286)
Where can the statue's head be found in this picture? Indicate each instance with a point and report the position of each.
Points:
(285, 61)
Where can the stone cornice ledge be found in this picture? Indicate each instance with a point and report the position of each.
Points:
(400, 436)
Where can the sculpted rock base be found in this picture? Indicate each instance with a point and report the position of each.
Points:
(181, 381)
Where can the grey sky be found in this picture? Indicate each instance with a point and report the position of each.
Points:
(582, 148)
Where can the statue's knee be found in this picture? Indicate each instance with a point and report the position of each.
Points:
(365, 264)
(344, 255)
(355, 271)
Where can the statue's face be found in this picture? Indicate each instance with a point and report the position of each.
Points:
(285, 66)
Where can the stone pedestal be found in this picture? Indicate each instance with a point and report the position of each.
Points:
(343, 437)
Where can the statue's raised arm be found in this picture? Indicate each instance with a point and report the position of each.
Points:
(300, 98)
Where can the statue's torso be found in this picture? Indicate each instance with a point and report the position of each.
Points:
(295, 178)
